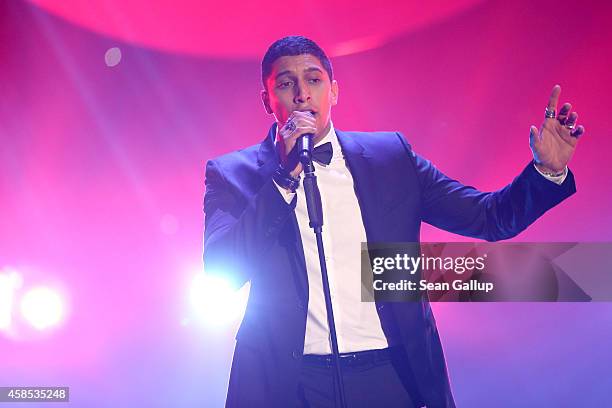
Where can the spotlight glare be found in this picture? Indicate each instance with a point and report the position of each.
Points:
(42, 307)
(10, 281)
(215, 301)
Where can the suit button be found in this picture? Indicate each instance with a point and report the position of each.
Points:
(296, 354)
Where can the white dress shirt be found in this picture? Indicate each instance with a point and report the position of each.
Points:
(358, 325)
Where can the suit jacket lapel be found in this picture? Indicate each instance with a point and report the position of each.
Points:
(357, 160)
(267, 160)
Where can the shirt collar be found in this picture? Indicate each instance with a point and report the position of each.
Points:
(331, 134)
(333, 139)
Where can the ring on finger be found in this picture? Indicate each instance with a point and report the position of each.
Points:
(570, 125)
(550, 113)
(290, 126)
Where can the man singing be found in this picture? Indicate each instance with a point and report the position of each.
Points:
(375, 189)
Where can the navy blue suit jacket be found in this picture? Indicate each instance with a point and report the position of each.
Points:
(251, 233)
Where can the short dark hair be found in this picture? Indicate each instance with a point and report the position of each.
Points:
(291, 46)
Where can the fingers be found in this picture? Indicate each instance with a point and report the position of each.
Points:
(563, 112)
(291, 137)
(533, 136)
(554, 98)
(575, 131)
(298, 124)
(565, 117)
(570, 123)
(300, 118)
(579, 131)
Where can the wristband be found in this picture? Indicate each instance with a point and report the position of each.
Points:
(551, 174)
(284, 179)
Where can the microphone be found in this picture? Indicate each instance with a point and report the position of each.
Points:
(304, 147)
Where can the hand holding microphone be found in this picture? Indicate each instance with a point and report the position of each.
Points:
(298, 125)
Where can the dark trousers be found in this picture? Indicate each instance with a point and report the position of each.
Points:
(385, 383)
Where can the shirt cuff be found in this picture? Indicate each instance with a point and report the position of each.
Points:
(555, 179)
(287, 195)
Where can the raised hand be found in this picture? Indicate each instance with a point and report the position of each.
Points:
(554, 143)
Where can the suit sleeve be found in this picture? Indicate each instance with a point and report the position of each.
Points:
(492, 216)
(238, 230)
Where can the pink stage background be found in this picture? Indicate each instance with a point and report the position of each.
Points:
(102, 175)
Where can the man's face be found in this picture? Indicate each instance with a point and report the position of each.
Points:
(300, 83)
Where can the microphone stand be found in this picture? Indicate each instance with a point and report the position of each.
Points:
(315, 215)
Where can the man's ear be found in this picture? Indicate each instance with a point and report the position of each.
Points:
(334, 92)
(265, 98)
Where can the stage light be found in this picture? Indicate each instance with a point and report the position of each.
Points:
(112, 57)
(10, 281)
(42, 307)
(215, 301)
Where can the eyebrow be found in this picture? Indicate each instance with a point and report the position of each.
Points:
(310, 69)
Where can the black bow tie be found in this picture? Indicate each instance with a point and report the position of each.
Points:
(323, 153)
